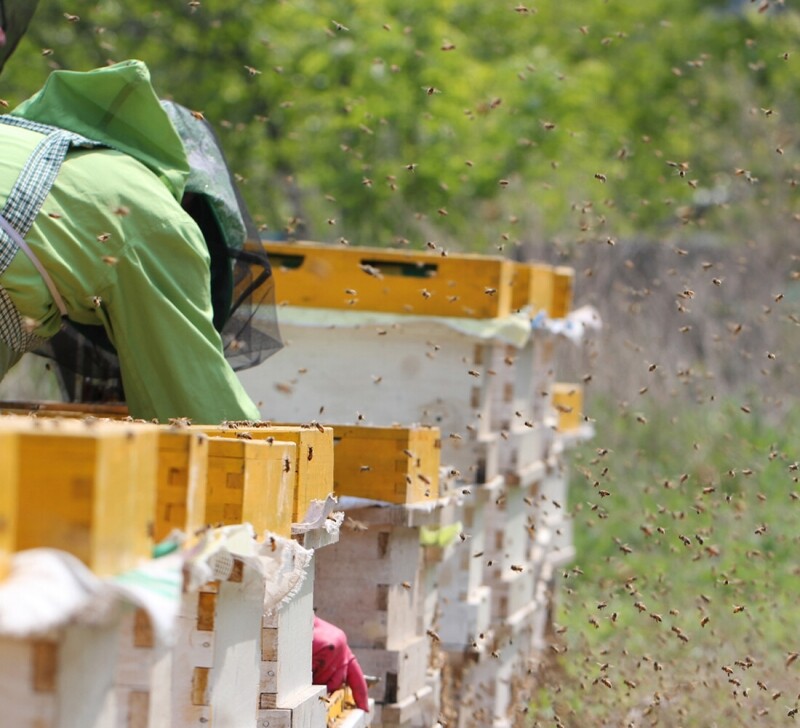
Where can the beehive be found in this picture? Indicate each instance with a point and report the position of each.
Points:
(182, 475)
(313, 465)
(367, 584)
(393, 464)
(250, 481)
(8, 498)
(88, 488)
(532, 287)
(563, 282)
(422, 372)
(401, 671)
(215, 660)
(286, 649)
(392, 281)
(77, 410)
(506, 566)
(568, 402)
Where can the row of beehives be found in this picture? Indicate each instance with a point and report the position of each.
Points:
(410, 584)
(193, 638)
(444, 593)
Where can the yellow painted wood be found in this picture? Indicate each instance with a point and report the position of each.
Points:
(182, 476)
(9, 485)
(251, 481)
(391, 281)
(532, 287)
(314, 464)
(340, 702)
(314, 458)
(393, 464)
(563, 282)
(568, 401)
(64, 409)
(87, 488)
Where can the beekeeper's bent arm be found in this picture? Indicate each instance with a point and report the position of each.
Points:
(157, 311)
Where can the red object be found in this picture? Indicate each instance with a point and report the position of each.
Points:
(334, 665)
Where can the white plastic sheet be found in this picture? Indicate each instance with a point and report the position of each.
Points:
(49, 589)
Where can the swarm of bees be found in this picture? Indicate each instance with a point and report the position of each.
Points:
(677, 607)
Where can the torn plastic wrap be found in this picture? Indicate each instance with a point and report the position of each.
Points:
(48, 589)
(324, 515)
(574, 326)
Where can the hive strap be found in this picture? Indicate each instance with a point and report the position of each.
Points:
(15, 236)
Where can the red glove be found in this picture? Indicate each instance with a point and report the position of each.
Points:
(334, 665)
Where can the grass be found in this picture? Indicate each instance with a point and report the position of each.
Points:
(682, 606)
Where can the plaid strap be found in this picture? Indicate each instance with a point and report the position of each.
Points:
(22, 206)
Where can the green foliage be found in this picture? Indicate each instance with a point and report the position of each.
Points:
(686, 568)
(384, 121)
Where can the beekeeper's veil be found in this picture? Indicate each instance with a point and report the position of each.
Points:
(242, 286)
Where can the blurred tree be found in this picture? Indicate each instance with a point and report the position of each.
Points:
(470, 124)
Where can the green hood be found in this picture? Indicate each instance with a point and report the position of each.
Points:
(118, 107)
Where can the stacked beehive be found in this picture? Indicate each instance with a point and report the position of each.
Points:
(378, 338)
(369, 582)
(100, 491)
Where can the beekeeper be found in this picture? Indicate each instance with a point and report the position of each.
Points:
(93, 175)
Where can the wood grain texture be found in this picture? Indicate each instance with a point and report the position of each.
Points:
(252, 481)
(88, 488)
(312, 464)
(182, 475)
(393, 281)
(393, 464)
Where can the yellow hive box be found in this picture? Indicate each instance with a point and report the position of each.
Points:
(340, 702)
(563, 282)
(251, 481)
(9, 484)
(182, 464)
(182, 475)
(314, 458)
(568, 401)
(391, 281)
(533, 286)
(88, 488)
(393, 464)
(64, 409)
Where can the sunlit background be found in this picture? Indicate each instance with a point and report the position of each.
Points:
(651, 145)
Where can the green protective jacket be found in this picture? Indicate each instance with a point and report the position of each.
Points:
(120, 249)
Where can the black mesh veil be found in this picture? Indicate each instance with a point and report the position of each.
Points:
(242, 285)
